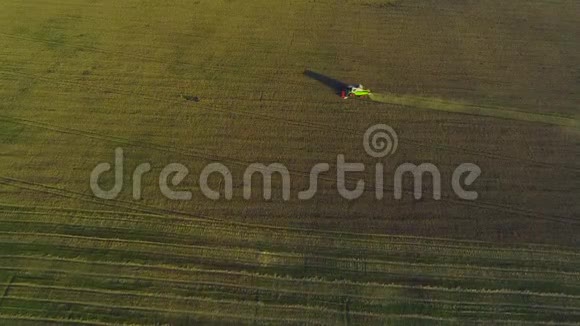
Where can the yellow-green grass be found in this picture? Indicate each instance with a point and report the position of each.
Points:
(190, 231)
(144, 280)
(78, 79)
(114, 72)
(473, 109)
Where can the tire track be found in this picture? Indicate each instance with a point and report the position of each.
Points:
(284, 289)
(310, 125)
(313, 296)
(313, 233)
(294, 237)
(156, 210)
(191, 217)
(456, 305)
(286, 260)
(83, 197)
(209, 158)
(187, 271)
(54, 320)
(473, 109)
(6, 288)
(412, 249)
(220, 316)
(147, 295)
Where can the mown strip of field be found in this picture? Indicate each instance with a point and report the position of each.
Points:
(199, 155)
(385, 304)
(473, 109)
(295, 264)
(203, 232)
(107, 267)
(237, 284)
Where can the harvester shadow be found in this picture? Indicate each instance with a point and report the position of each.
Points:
(336, 85)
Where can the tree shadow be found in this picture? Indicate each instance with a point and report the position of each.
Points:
(336, 85)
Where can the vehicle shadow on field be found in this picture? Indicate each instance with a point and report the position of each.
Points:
(334, 84)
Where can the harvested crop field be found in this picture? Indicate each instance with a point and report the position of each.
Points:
(491, 83)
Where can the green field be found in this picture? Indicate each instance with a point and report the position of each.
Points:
(495, 83)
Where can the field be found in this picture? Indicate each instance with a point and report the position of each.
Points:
(494, 83)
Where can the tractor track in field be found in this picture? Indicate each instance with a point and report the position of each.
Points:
(61, 211)
(54, 191)
(162, 213)
(188, 275)
(310, 125)
(287, 284)
(38, 319)
(505, 113)
(405, 246)
(288, 289)
(207, 157)
(315, 296)
(7, 285)
(157, 210)
(292, 122)
(392, 318)
(148, 295)
(181, 239)
(241, 260)
(302, 234)
(221, 315)
(319, 304)
(230, 72)
(269, 118)
(442, 281)
(323, 253)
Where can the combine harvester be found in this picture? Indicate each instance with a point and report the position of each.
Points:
(354, 91)
(431, 103)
